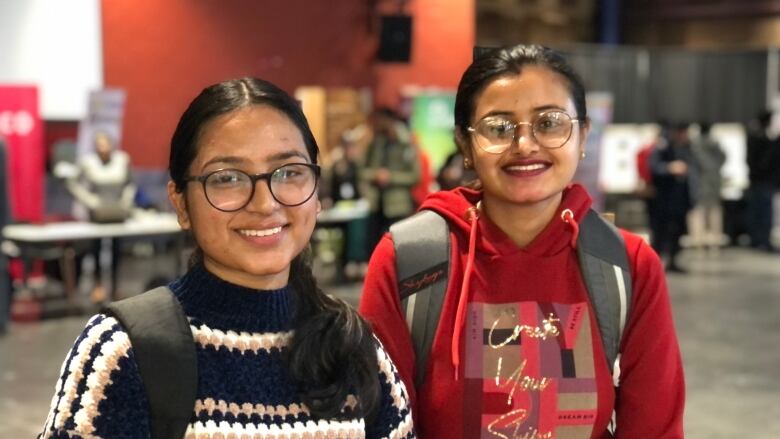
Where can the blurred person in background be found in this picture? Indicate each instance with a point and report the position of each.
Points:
(763, 168)
(344, 187)
(706, 218)
(672, 177)
(103, 183)
(504, 361)
(390, 171)
(646, 189)
(275, 355)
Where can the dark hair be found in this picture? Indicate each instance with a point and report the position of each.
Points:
(510, 61)
(332, 353)
(704, 128)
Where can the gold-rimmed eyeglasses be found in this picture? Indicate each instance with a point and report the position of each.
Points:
(549, 129)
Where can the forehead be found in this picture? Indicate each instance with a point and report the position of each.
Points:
(535, 88)
(250, 135)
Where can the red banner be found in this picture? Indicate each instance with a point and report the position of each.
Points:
(21, 127)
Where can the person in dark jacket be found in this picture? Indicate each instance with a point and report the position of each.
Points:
(672, 176)
(762, 169)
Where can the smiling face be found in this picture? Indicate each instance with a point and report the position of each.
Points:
(253, 246)
(526, 173)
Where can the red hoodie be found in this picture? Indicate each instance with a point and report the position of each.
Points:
(531, 362)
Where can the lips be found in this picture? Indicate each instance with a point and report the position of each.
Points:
(527, 168)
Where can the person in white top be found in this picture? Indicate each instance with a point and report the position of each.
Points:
(104, 185)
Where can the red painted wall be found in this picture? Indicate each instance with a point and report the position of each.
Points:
(164, 52)
(443, 36)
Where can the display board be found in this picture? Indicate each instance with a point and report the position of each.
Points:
(56, 46)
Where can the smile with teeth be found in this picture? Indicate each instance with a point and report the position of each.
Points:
(526, 168)
(266, 232)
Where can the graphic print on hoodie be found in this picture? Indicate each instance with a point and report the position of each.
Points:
(531, 367)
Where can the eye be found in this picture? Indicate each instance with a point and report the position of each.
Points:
(291, 173)
(497, 128)
(550, 122)
(226, 178)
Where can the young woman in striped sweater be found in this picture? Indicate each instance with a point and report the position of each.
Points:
(276, 357)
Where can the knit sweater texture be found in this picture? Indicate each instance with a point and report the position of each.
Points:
(244, 387)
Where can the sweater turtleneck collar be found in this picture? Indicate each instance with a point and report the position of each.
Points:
(223, 305)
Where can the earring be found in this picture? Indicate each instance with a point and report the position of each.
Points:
(466, 163)
(582, 154)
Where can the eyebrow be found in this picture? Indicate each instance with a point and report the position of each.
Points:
(235, 160)
(538, 109)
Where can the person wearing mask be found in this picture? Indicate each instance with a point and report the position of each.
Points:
(276, 357)
(516, 352)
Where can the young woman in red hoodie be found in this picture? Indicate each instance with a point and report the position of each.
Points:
(517, 352)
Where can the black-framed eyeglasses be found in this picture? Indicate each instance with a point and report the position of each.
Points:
(549, 129)
(230, 190)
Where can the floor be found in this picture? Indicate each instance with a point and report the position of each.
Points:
(726, 311)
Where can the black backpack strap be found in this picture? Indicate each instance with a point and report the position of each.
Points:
(422, 256)
(607, 273)
(165, 352)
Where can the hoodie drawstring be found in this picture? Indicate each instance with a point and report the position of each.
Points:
(460, 316)
(568, 217)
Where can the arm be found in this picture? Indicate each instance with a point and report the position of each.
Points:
(99, 393)
(381, 306)
(394, 417)
(651, 396)
(77, 187)
(128, 192)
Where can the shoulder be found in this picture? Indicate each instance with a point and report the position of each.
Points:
(98, 379)
(640, 254)
(395, 416)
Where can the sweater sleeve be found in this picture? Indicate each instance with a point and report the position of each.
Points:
(99, 393)
(381, 306)
(651, 396)
(394, 417)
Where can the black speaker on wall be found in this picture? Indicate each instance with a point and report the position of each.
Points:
(395, 38)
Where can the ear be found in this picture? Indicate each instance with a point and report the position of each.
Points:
(179, 202)
(463, 143)
(584, 131)
(319, 205)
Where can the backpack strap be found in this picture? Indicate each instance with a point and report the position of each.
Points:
(422, 258)
(607, 274)
(165, 352)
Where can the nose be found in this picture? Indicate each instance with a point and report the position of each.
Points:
(262, 201)
(524, 141)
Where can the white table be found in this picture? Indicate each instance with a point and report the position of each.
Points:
(31, 238)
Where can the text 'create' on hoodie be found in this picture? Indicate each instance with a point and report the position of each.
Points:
(517, 353)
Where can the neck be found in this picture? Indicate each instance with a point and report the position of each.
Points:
(270, 281)
(522, 222)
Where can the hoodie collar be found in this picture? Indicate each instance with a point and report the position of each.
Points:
(491, 240)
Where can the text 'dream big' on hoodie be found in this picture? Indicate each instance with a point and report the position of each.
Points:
(528, 361)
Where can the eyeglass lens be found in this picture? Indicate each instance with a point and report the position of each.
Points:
(231, 189)
(550, 130)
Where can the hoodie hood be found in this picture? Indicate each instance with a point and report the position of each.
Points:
(454, 205)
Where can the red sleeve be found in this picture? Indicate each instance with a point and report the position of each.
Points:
(381, 306)
(651, 396)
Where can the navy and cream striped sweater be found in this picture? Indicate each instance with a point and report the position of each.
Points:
(244, 389)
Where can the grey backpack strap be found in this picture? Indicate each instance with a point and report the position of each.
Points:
(165, 352)
(606, 270)
(422, 255)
